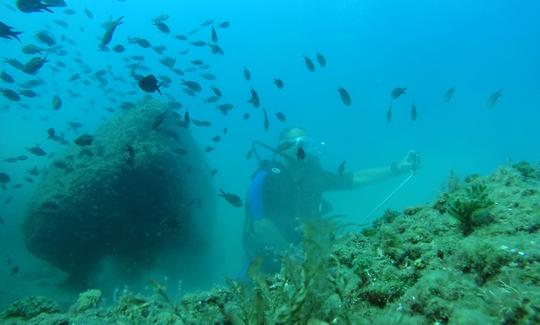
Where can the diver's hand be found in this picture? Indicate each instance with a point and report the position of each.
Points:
(411, 162)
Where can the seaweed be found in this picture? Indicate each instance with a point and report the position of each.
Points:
(471, 209)
(30, 307)
(525, 169)
(306, 290)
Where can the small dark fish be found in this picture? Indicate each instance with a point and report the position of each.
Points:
(74, 77)
(7, 32)
(396, 92)
(309, 64)
(28, 6)
(193, 85)
(216, 91)
(60, 164)
(14, 63)
(208, 76)
(216, 138)
(197, 62)
(127, 105)
(46, 37)
(213, 172)
(246, 116)
(279, 83)
(6, 77)
(493, 98)
(32, 49)
(10, 94)
(149, 84)
(198, 43)
(88, 13)
(161, 18)
(142, 42)
(345, 97)
(449, 94)
(225, 108)
(119, 48)
(100, 73)
(211, 99)
(15, 270)
(225, 130)
(201, 123)
(159, 49)
(207, 23)
(163, 27)
(214, 35)
(33, 66)
(56, 102)
(281, 117)
(84, 140)
(75, 126)
(321, 59)
(247, 74)
(266, 122)
(51, 133)
(130, 151)
(254, 100)
(181, 37)
(15, 159)
(180, 151)
(186, 119)
(233, 199)
(28, 93)
(208, 149)
(216, 49)
(414, 113)
(189, 92)
(137, 58)
(224, 24)
(110, 27)
(34, 171)
(175, 105)
(4, 179)
(300, 154)
(61, 23)
(341, 168)
(37, 151)
(389, 114)
(50, 205)
(159, 120)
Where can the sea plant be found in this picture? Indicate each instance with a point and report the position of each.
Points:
(526, 170)
(471, 208)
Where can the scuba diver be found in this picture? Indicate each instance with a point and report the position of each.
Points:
(289, 189)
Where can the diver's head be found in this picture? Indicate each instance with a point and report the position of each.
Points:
(294, 138)
(291, 134)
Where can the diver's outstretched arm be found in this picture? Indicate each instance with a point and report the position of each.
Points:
(372, 175)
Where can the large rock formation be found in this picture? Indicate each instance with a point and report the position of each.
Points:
(140, 188)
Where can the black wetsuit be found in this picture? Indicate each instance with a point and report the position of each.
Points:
(286, 198)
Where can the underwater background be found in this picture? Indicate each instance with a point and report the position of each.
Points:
(371, 47)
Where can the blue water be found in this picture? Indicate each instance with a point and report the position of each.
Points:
(371, 47)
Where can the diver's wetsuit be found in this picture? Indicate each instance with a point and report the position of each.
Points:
(286, 198)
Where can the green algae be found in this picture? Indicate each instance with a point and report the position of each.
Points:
(416, 266)
(471, 207)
